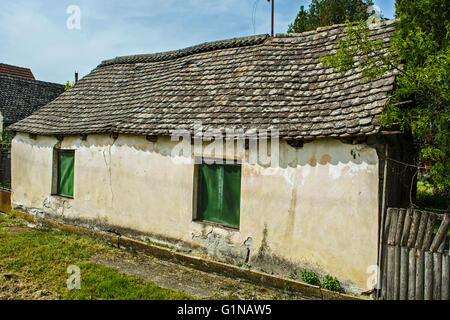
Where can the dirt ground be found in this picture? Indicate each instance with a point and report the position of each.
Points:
(15, 287)
(191, 281)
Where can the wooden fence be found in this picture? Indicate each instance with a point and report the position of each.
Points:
(415, 256)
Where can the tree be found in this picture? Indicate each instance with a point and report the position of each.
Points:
(328, 12)
(419, 51)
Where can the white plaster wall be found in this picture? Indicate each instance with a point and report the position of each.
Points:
(319, 208)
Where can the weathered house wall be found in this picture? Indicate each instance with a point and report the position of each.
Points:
(318, 209)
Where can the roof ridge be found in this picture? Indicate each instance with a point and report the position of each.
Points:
(174, 54)
(31, 80)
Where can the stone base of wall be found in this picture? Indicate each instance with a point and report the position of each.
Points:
(170, 253)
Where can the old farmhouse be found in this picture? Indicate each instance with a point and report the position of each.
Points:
(110, 153)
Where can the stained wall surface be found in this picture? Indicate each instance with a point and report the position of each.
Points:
(316, 209)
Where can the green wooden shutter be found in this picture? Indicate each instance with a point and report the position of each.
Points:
(231, 204)
(219, 194)
(65, 172)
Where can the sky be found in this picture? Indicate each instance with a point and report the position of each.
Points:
(44, 36)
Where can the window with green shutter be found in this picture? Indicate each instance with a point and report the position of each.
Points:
(219, 193)
(66, 161)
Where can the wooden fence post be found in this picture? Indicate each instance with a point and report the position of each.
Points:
(428, 284)
(445, 294)
(437, 275)
(420, 264)
(412, 274)
(397, 252)
(391, 254)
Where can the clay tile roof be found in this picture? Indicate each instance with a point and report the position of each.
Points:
(246, 83)
(16, 71)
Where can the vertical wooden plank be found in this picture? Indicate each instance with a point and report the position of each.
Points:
(384, 273)
(420, 264)
(400, 222)
(432, 217)
(390, 272)
(445, 293)
(428, 283)
(437, 275)
(421, 231)
(406, 227)
(404, 270)
(391, 254)
(397, 252)
(414, 228)
(404, 274)
(412, 274)
(393, 226)
(384, 266)
(387, 225)
(397, 267)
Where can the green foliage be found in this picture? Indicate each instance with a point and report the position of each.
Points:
(309, 277)
(428, 198)
(6, 185)
(330, 283)
(328, 12)
(69, 85)
(5, 139)
(419, 53)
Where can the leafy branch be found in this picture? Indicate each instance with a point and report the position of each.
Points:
(419, 54)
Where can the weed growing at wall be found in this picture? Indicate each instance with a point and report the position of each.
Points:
(331, 283)
(309, 277)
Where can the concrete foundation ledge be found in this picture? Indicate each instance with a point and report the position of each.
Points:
(198, 263)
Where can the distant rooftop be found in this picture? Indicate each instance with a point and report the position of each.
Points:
(16, 71)
(20, 97)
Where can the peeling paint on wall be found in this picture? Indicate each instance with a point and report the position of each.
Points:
(319, 208)
(221, 247)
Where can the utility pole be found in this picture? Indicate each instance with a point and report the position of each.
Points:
(271, 32)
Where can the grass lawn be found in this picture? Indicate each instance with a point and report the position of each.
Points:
(41, 258)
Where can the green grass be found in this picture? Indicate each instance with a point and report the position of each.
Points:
(42, 257)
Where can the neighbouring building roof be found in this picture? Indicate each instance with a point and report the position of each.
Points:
(20, 97)
(16, 71)
(248, 83)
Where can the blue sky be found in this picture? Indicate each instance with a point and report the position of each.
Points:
(34, 34)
